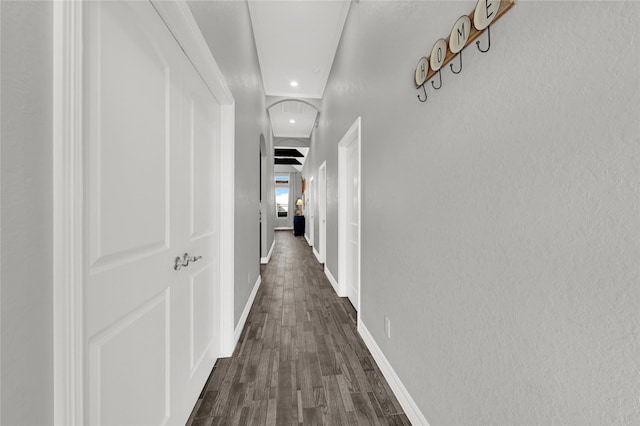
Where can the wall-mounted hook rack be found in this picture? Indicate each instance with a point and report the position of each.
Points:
(426, 73)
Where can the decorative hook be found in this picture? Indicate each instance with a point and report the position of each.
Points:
(434, 86)
(459, 69)
(488, 38)
(425, 94)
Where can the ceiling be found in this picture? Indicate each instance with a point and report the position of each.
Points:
(296, 42)
(292, 118)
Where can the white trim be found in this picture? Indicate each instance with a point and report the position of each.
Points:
(306, 237)
(1, 223)
(353, 135)
(180, 21)
(317, 255)
(245, 312)
(68, 379)
(283, 228)
(333, 282)
(265, 260)
(409, 406)
(227, 236)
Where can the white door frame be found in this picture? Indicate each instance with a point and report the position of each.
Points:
(68, 209)
(353, 135)
(321, 197)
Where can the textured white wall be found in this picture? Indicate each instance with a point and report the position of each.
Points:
(501, 222)
(227, 28)
(27, 233)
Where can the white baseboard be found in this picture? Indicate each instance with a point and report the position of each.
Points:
(404, 398)
(283, 228)
(332, 280)
(265, 260)
(245, 312)
(316, 254)
(306, 237)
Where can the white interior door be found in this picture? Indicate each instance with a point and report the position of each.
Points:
(311, 202)
(195, 185)
(322, 211)
(349, 214)
(152, 129)
(353, 222)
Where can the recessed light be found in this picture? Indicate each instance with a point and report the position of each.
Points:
(294, 84)
(292, 121)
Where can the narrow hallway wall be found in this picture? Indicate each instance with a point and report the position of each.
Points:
(324, 149)
(500, 228)
(267, 200)
(227, 29)
(27, 209)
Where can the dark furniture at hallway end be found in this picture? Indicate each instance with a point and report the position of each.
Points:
(298, 226)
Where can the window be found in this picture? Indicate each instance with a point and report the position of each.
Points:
(282, 196)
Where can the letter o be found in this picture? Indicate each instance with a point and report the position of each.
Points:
(438, 54)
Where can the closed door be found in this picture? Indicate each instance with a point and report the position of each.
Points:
(322, 211)
(151, 331)
(353, 223)
(311, 201)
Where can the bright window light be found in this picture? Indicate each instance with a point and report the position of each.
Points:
(294, 84)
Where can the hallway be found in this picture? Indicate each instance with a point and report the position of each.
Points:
(300, 359)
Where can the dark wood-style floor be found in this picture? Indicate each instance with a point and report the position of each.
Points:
(300, 360)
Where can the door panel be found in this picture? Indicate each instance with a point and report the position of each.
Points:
(311, 208)
(132, 79)
(321, 199)
(203, 322)
(203, 128)
(110, 393)
(130, 119)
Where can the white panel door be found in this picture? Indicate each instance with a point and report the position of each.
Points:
(151, 132)
(195, 184)
(353, 223)
(311, 205)
(321, 200)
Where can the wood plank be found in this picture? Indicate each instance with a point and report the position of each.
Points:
(365, 414)
(336, 414)
(304, 383)
(287, 409)
(206, 406)
(312, 416)
(262, 382)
